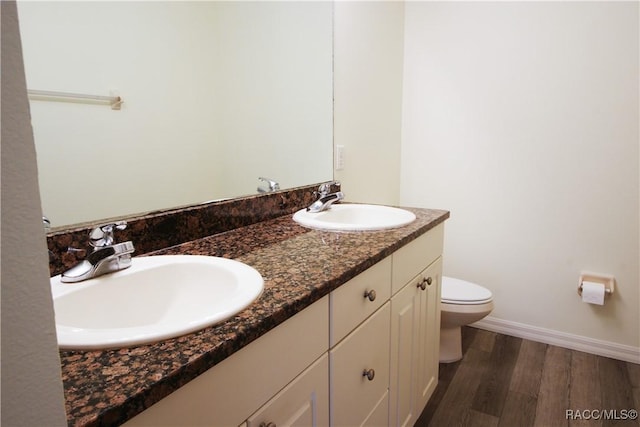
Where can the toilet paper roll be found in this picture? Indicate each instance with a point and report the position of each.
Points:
(593, 293)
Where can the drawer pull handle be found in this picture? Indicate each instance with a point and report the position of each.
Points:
(370, 294)
(424, 282)
(369, 373)
(269, 424)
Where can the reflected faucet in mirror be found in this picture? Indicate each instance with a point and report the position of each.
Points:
(271, 185)
(106, 257)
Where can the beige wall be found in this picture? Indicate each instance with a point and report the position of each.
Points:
(368, 39)
(522, 119)
(31, 384)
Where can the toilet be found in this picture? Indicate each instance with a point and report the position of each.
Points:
(462, 303)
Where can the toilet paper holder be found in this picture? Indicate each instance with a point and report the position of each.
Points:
(608, 281)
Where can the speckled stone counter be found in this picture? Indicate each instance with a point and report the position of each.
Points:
(299, 266)
(169, 227)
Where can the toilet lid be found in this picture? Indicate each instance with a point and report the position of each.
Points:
(456, 291)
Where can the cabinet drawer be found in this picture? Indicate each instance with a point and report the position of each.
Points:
(411, 259)
(352, 303)
(354, 396)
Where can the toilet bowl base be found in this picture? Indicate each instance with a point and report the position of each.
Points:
(450, 344)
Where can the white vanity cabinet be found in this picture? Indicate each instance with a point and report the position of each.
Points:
(366, 354)
(231, 392)
(415, 326)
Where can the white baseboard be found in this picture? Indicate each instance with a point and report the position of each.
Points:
(561, 339)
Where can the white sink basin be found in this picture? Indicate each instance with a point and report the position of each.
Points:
(158, 297)
(355, 217)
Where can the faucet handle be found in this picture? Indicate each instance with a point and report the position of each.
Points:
(102, 235)
(325, 187)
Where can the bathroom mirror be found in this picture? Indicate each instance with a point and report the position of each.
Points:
(216, 95)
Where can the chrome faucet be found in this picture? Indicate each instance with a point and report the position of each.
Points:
(272, 185)
(106, 257)
(325, 197)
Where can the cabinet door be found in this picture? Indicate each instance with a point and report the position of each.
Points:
(429, 330)
(304, 402)
(354, 397)
(379, 416)
(405, 321)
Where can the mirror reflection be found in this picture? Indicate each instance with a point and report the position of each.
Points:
(216, 95)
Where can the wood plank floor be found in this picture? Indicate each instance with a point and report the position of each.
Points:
(505, 381)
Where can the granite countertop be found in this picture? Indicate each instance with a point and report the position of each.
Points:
(299, 266)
